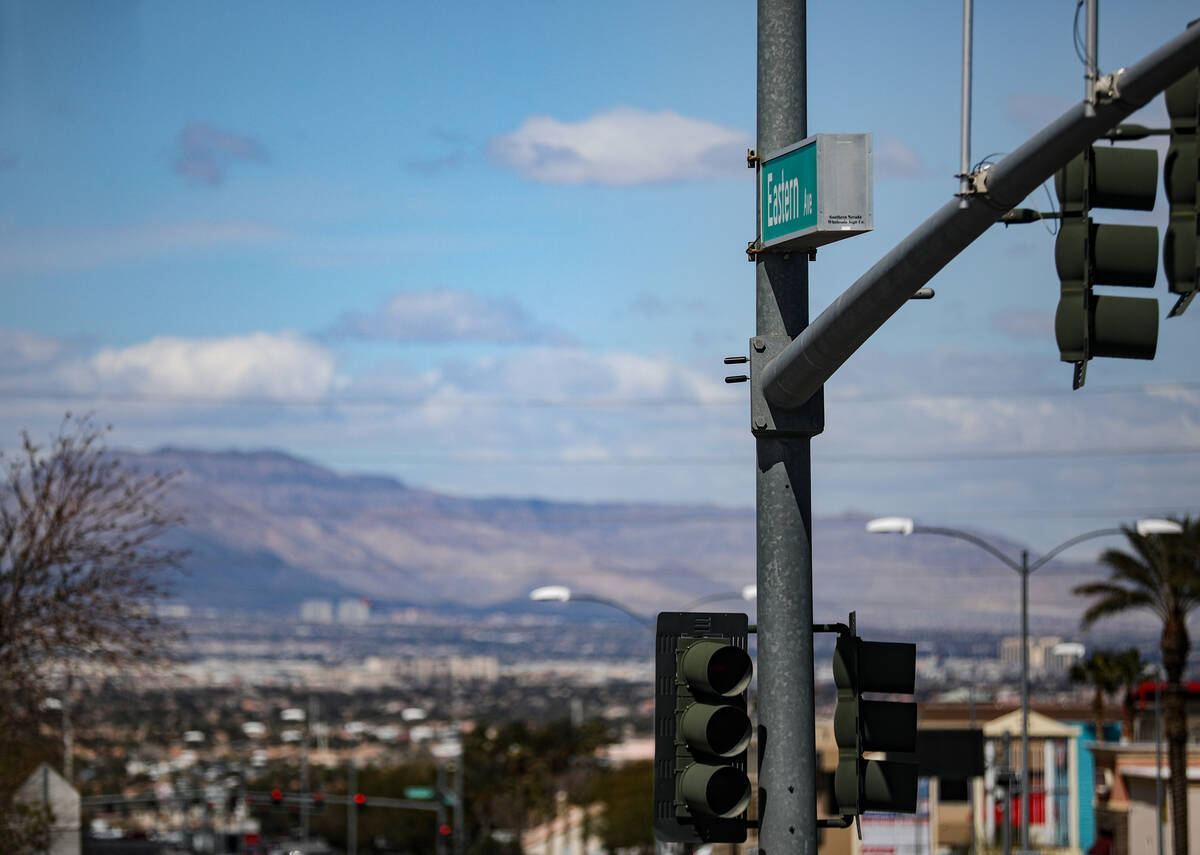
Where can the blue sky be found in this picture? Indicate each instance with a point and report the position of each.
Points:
(497, 249)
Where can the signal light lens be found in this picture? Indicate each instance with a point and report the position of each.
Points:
(444, 830)
(277, 795)
(720, 791)
(360, 799)
(716, 668)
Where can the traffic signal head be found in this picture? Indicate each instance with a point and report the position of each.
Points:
(1088, 253)
(318, 801)
(861, 725)
(277, 797)
(1181, 249)
(360, 801)
(702, 730)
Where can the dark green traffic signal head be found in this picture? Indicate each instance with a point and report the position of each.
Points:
(702, 729)
(1181, 248)
(869, 725)
(1120, 178)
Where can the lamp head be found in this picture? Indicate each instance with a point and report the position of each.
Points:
(891, 525)
(1156, 526)
(750, 592)
(551, 593)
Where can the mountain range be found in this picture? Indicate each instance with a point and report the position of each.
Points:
(264, 530)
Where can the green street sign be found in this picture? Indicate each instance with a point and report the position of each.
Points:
(418, 793)
(815, 192)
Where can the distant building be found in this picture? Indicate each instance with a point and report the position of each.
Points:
(354, 610)
(46, 787)
(316, 611)
(1048, 655)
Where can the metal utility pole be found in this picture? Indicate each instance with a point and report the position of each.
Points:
(352, 810)
(786, 727)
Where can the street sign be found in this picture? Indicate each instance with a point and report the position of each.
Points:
(418, 793)
(815, 192)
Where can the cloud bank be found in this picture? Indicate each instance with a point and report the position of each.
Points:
(268, 365)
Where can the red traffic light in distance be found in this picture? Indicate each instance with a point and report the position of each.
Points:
(360, 799)
(444, 830)
(277, 795)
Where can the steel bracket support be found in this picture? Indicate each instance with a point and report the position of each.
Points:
(768, 420)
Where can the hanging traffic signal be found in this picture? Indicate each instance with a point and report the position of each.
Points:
(860, 725)
(276, 797)
(360, 801)
(1088, 253)
(1181, 248)
(317, 805)
(702, 729)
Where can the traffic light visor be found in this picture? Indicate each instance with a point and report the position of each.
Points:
(720, 791)
(717, 668)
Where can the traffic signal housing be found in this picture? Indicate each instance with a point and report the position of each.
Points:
(861, 726)
(701, 726)
(1088, 253)
(1181, 248)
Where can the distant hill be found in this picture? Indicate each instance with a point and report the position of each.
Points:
(266, 530)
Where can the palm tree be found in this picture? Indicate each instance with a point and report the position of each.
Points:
(1160, 574)
(1131, 671)
(1098, 670)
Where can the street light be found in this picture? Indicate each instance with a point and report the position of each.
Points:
(563, 594)
(906, 525)
(747, 592)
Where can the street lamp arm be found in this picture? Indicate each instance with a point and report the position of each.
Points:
(970, 538)
(588, 598)
(1066, 544)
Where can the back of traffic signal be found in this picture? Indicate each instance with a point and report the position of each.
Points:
(702, 728)
(1089, 253)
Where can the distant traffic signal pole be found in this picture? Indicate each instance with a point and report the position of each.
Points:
(905, 525)
(787, 800)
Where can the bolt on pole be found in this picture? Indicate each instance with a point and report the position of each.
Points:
(786, 725)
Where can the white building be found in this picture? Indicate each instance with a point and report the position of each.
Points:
(46, 787)
(354, 610)
(316, 611)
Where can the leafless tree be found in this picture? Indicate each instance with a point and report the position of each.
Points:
(81, 565)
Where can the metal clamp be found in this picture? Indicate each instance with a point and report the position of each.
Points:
(752, 158)
(1108, 87)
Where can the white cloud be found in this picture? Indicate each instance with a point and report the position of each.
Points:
(279, 366)
(565, 373)
(446, 315)
(894, 158)
(623, 146)
(20, 349)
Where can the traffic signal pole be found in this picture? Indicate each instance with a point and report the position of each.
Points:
(786, 725)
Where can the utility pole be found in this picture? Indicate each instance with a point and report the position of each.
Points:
(786, 726)
(352, 809)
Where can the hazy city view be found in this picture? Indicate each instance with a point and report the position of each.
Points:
(560, 429)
